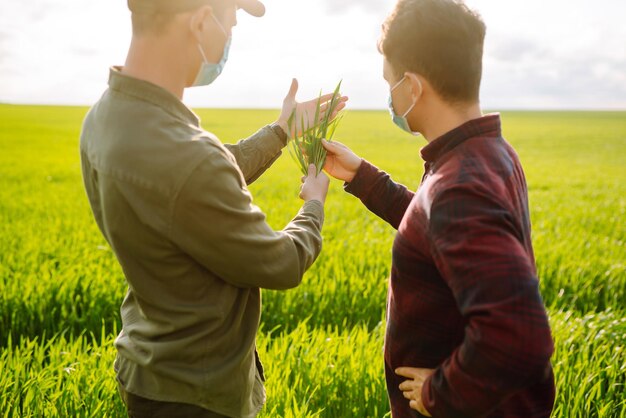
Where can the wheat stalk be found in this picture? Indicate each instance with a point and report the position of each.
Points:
(307, 148)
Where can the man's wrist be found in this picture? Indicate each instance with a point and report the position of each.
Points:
(352, 174)
(422, 409)
(424, 392)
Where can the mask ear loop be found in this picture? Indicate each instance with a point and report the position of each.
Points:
(415, 99)
(202, 53)
(398, 83)
(206, 61)
(219, 25)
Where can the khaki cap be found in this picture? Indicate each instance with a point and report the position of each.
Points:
(253, 7)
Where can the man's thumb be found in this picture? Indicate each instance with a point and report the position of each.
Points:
(293, 89)
(312, 170)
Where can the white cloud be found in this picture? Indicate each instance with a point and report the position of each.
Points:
(59, 50)
(558, 54)
(539, 54)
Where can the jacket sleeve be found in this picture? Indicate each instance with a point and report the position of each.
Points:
(381, 195)
(257, 153)
(215, 222)
(508, 344)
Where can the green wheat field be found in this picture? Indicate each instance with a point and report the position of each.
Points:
(61, 287)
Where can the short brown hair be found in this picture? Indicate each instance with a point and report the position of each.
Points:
(442, 40)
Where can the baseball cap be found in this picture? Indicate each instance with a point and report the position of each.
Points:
(253, 7)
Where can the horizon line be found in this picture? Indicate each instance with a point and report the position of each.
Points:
(357, 109)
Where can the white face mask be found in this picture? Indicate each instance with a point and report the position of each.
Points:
(401, 121)
(209, 72)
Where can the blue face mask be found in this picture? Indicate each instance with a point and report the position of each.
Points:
(401, 121)
(209, 72)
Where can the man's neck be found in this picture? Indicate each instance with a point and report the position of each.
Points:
(443, 118)
(157, 62)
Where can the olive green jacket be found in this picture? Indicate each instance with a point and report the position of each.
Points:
(172, 201)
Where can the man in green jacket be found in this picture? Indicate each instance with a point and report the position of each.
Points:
(172, 201)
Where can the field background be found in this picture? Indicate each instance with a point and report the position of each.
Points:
(60, 286)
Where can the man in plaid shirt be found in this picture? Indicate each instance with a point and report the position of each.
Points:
(467, 331)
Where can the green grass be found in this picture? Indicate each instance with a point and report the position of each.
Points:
(310, 373)
(60, 286)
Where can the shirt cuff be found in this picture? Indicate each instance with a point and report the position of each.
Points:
(280, 133)
(316, 208)
(427, 396)
(362, 181)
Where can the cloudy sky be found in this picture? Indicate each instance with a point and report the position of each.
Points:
(540, 54)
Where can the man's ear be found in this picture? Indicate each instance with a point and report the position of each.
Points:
(418, 83)
(199, 20)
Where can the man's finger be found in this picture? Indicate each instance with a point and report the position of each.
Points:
(413, 405)
(334, 144)
(325, 102)
(409, 372)
(407, 385)
(293, 89)
(312, 170)
(340, 107)
(330, 146)
(325, 98)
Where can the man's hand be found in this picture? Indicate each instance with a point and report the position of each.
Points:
(412, 388)
(314, 187)
(341, 162)
(305, 110)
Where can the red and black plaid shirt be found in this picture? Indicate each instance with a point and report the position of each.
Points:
(463, 293)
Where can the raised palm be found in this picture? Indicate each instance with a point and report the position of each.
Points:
(305, 111)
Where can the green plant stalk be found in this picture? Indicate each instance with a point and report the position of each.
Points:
(307, 147)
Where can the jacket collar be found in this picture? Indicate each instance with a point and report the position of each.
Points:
(146, 91)
(486, 126)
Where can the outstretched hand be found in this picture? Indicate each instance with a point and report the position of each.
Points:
(305, 110)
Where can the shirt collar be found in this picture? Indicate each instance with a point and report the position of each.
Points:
(144, 90)
(486, 126)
